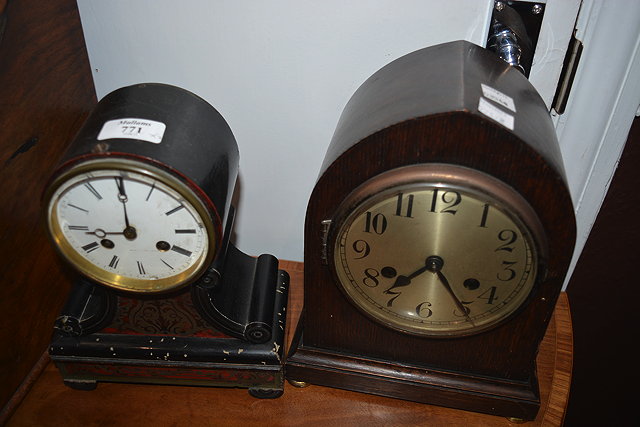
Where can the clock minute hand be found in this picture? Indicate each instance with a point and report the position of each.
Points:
(456, 300)
(434, 263)
(122, 194)
(129, 231)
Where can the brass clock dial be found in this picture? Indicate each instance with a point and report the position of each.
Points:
(421, 250)
(130, 226)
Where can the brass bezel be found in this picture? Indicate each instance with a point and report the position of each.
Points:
(439, 175)
(114, 280)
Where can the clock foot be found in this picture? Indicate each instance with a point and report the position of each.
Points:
(81, 385)
(299, 384)
(265, 393)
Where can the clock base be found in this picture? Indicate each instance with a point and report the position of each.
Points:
(493, 396)
(162, 341)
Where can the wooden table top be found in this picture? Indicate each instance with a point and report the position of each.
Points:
(50, 403)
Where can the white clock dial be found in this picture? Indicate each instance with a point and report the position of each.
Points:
(128, 229)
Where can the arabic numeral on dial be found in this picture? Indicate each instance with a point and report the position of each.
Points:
(371, 278)
(485, 214)
(450, 199)
(362, 248)
(402, 209)
(423, 310)
(507, 273)
(467, 310)
(375, 223)
(489, 295)
(508, 237)
(393, 298)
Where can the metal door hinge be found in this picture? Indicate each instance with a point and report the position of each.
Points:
(569, 68)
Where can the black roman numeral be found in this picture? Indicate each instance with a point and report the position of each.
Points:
(180, 250)
(78, 207)
(150, 191)
(114, 261)
(93, 190)
(90, 247)
(174, 210)
(186, 231)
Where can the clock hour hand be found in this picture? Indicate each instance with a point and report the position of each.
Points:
(400, 282)
(100, 233)
(405, 280)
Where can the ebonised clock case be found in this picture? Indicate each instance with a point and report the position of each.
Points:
(225, 327)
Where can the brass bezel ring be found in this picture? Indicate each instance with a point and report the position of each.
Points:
(57, 188)
(434, 175)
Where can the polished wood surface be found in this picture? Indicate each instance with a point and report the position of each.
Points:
(45, 93)
(50, 403)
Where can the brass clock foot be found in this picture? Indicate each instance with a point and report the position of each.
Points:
(298, 384)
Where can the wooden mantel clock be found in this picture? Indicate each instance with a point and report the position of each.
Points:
(140, 208)
(437, 237)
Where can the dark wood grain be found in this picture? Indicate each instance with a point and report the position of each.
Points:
(423, 109)
(45, 93)
(50, 403)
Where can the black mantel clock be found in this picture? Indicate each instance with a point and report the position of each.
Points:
(437, 237)
(141, 208)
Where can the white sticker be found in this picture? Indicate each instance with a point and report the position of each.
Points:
(496, 96)
(143, 129)
(495, 113)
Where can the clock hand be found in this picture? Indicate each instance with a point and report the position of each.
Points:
(99, 232)
(435, 264)
(459, 304)
(405, 280)
(129, 231)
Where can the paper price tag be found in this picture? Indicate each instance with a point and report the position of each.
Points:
(495, 113)
(141, 129)
(498, 97)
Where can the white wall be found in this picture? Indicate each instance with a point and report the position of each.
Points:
(280, 72)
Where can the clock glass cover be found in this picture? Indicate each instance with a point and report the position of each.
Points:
(436, 251)
(130, 225)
